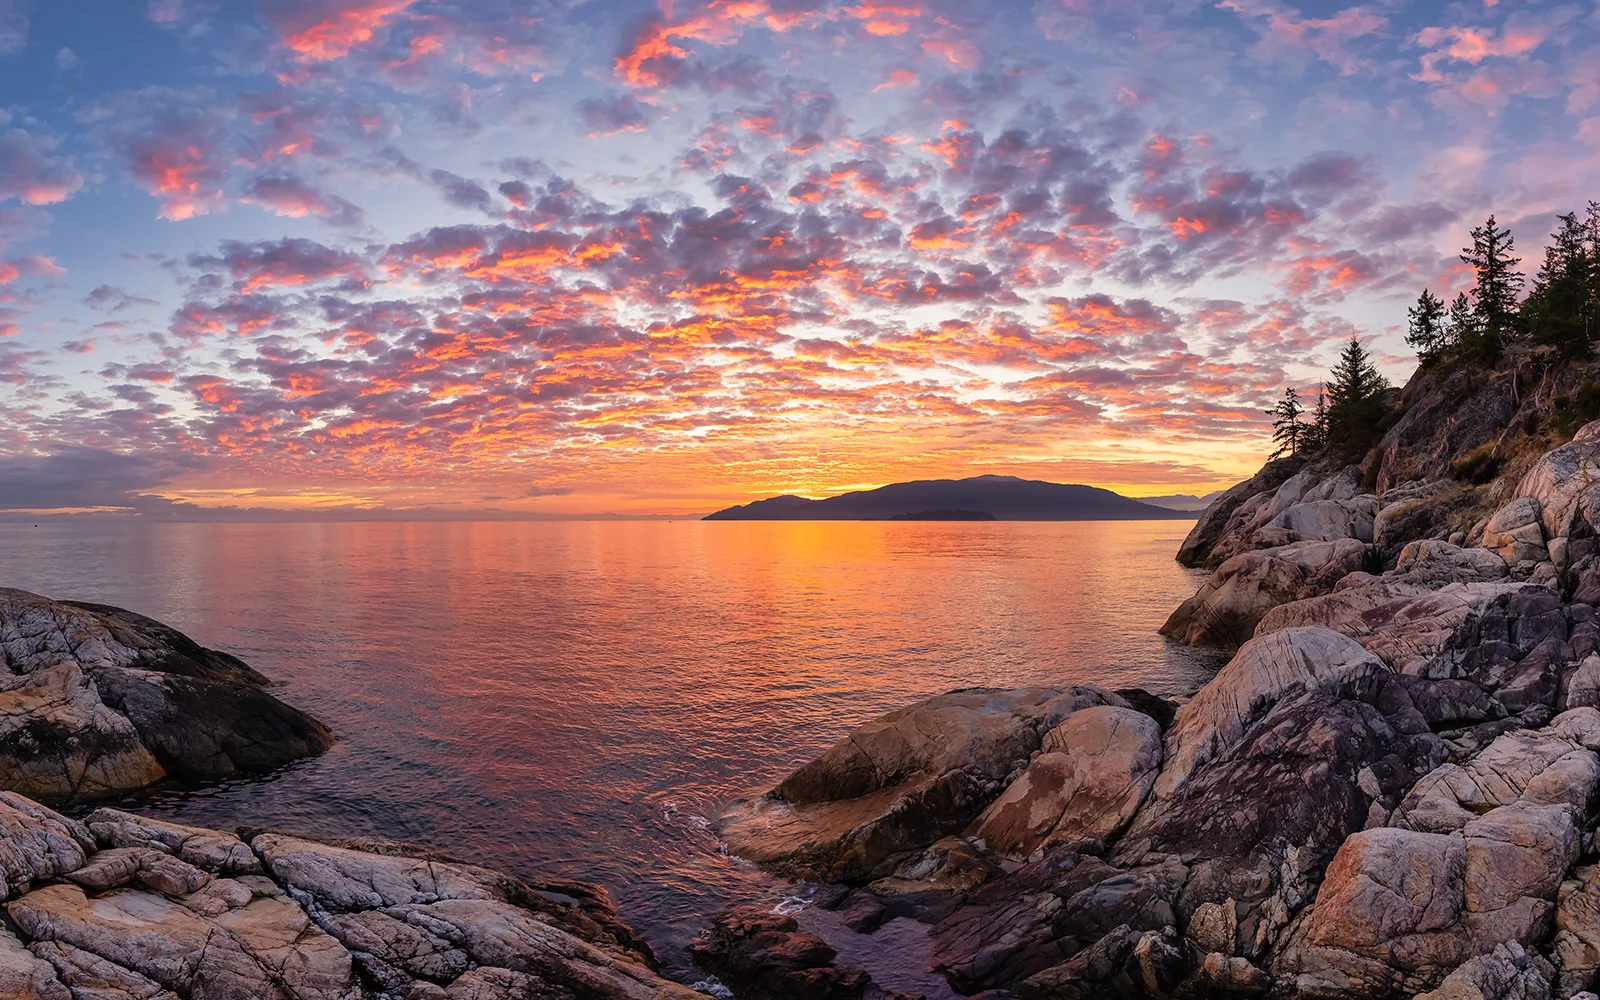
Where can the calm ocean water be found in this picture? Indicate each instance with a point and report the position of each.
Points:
(576, 697)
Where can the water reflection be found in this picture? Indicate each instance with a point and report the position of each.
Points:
(577, 697)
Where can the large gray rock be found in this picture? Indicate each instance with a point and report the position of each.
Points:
(1045, 913)
(1227, 608)
(899, 783)
(1475, 860)
(1406, 625)
(1091, 775)
(1565, 483)
(1328, 520)
(23, 976)
(1262, 673)
(1258, 825)
(96, 701)
(1515, 532)
(267, 949)
(37, 843)
(1538, 768)
(1214, 522)
(1432, 563)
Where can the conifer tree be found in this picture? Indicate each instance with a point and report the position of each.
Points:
(1495, 298)
(1355, 401)
(1425, 331)
(1461, 325)
(1555, 310)
(1315, 435)
(1286, 426)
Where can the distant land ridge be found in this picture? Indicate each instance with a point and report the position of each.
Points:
(1004, 498)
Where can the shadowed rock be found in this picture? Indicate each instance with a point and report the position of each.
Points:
(96, 701)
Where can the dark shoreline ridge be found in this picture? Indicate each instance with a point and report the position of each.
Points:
(1390, 791)
(1002, 498)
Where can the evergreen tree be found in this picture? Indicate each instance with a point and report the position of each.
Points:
(1355, 401)
(1287, 429)
(1425, 332)
(1495, 298)
(1315, 435)
(1461, 326)
(1557, 307)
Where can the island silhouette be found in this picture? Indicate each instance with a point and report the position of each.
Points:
(998, 498)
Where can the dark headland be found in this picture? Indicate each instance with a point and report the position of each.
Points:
(1002, 498)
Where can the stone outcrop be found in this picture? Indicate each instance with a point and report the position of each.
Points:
(1218, 519)
(123, 907)
(1262, 673)
(1092, 773)
(900, 783)
(1226, 610)
(1387, 793)
(97, 701)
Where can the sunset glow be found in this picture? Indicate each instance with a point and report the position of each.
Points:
(564, 259)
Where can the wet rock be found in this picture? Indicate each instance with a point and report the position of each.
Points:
(97, 701)
(766, 955)
(1158, 708)
(899, 783)
(1225, 611)
(1123, 963)
(1045, 913)
(929, 885)
(1092, 773)
(864, 913)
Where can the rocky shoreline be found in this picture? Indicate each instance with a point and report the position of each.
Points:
(1389, 791)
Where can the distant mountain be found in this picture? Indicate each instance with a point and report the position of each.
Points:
(1003, 498)
(1183, 501)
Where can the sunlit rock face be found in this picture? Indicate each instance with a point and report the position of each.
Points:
(900, 783)
(97, 701)
(127, 908)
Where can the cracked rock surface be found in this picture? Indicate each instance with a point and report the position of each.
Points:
(97, 701)
(123, 907)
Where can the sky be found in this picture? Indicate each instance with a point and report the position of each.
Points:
(556, 257)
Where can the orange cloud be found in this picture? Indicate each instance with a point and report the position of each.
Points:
(351, 26)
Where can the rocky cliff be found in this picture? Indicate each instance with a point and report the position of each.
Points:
(1389, 791)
